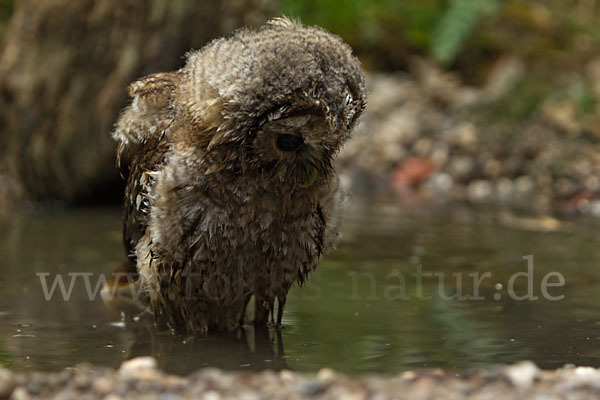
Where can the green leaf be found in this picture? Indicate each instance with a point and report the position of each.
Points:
(456, 25)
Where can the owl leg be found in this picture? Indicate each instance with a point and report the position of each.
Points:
(121, 292)
(244, 313)
(280, 349)
(262, 310)
(281, 304)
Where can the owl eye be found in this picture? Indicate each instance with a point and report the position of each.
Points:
(287, 142)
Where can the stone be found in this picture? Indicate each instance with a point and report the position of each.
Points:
(144, 368)
(522, 375)
(480, 191)
(7, 383)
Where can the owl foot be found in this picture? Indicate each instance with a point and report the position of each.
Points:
(123, 292)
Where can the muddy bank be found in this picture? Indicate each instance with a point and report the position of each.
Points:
(139, 378)
(431, 138)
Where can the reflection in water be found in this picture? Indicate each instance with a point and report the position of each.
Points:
(247, 350)
(362, 311)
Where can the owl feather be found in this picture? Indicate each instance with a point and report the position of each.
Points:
(232, 193)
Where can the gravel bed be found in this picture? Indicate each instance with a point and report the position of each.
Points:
(139, 378)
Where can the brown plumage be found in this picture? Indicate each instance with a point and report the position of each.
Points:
(231, 190)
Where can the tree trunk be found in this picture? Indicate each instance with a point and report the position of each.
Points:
(64, 68)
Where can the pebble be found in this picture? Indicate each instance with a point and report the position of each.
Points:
(7, 383)
(461, 167)
(286, 375)
(522, 375)
(20, 393)
(442, 184)
(524, 185)
(594, 208)
(144, 368)
(504, 190)
(103, 385)
(326, 375)
(423, 147)
(211, 395)
(112, 397)
(466, 135)
(480, 191)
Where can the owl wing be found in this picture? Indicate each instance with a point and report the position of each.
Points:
(141, 133)
(150, 112)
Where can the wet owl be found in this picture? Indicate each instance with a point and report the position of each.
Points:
(232, 192)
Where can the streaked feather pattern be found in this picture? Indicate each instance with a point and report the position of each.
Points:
(215, 213)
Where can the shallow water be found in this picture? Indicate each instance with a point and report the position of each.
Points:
(364, 310)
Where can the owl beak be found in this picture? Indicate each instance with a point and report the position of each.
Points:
(310, 179)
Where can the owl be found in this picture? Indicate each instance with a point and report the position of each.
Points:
(232, 194)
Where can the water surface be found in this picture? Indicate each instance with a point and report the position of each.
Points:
(364, 310)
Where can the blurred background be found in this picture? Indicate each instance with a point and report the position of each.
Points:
(482, 126)
(478, 101)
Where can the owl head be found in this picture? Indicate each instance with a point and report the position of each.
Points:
(281, 100)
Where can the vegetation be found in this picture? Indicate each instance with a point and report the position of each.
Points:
(6, 9)
(395, 29)
(452, 30)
